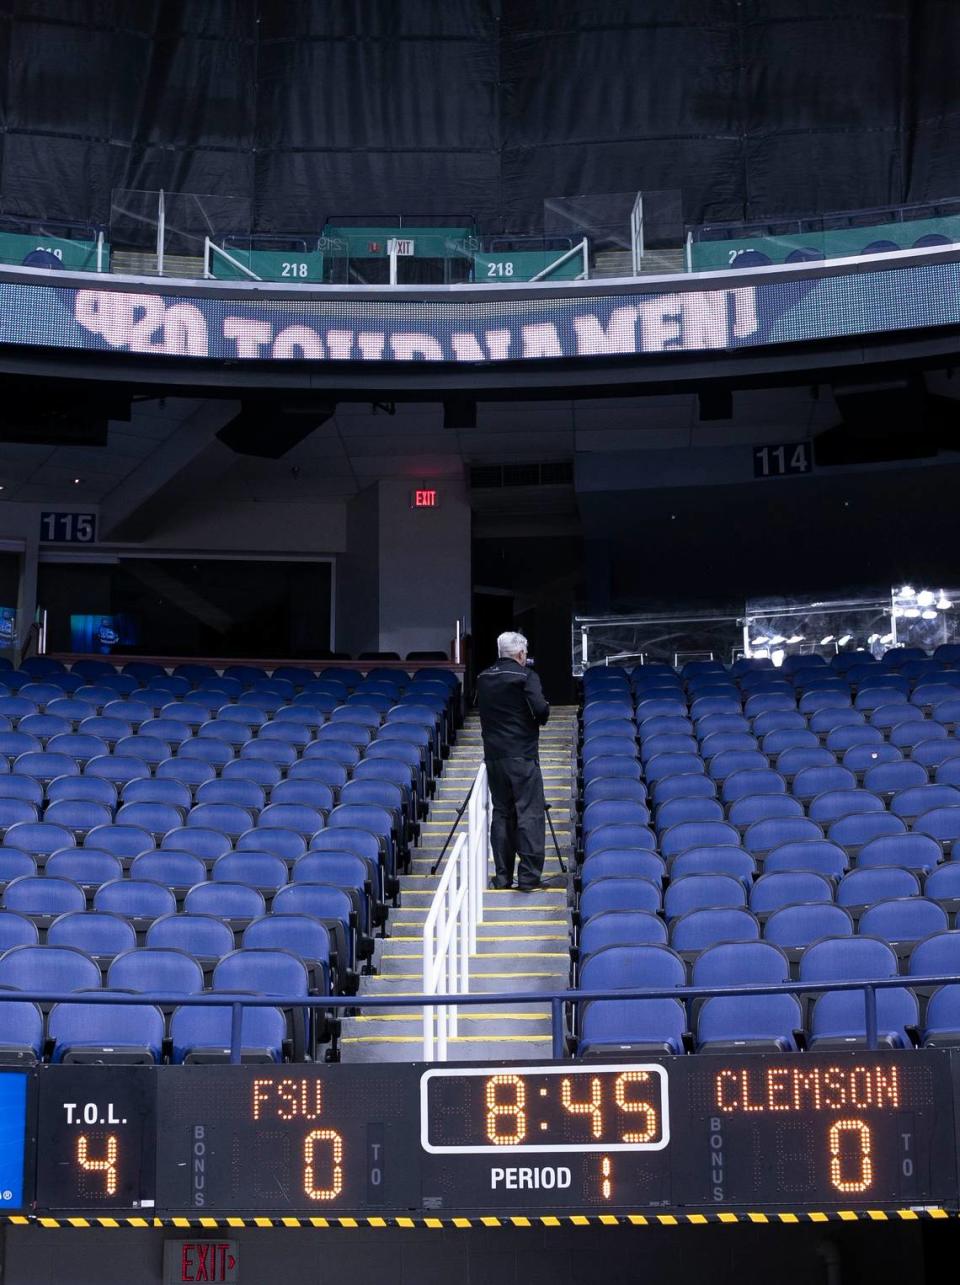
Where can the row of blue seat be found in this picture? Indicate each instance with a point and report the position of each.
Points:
(777, 1022)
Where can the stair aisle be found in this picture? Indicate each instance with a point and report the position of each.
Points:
(523, 943)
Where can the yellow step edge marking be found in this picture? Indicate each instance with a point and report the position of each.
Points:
(453, 1039)
(464, 1017)
(415, 977)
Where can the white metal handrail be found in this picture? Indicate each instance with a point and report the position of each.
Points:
(450, 930)
(210, 249)
(582, 248)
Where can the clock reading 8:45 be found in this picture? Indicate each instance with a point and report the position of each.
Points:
(549, 1109)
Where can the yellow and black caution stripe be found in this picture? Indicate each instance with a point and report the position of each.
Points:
(710, 1217)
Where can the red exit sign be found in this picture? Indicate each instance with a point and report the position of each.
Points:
(425, 499)
(200, 1260)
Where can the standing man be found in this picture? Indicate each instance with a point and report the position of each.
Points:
(512, 711)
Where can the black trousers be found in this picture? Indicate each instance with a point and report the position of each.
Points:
(519, 819)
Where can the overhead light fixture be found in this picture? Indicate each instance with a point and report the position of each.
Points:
(912, 613)
(827, 638)
(873, 638)
(77, 481)
(844, 639)
(796, 638)
(887, 638)
(926, 598)
(776, 640)
(907, 592)
(943, 603)
(777, 657)
(929, 614)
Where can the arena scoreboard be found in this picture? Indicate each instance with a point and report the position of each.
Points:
(709, 1133)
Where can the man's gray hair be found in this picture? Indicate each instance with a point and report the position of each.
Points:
(511, 645)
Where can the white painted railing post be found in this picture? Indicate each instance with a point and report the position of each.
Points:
(450, 930)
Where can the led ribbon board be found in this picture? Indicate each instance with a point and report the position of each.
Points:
(729, 311)
(831, 1131)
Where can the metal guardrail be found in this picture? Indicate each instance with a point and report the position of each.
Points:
(558, 1001)
(450, 930)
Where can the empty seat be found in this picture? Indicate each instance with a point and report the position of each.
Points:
(725, 764)
(912, 803)
(138, 899)
(21, 1033)
(664, 765)
(14, 810)
(763, 807)
(862, 887)
(621, 863)
(628, 893)
(677, 811)
(942, 824)
(232, 901)
(14, 863)
(208, 844)
(751, 782)
(771, 892)
(757, 1022)
(795, 927)
(206, 937)
(832, 804)
(763, 836)
(647, 1025)
(793, 762)
(42, 897)
(268, 971)
(93, 932)
(618, 836)
(853, 831)
(903, 919)
(176, 870)
(699, 891)
(816, 855)
(306, 936)
(913, 851)
(689, 785)
(699, 929)
(717, 859)
(87, 867)
(227, 818)
(260, 870)
(39, 838)
(124, 841)
(942, 1021)
(203, 1034)
(16, 930)
(621, 928)
(50, 969)
(812, 781)
(695, 834)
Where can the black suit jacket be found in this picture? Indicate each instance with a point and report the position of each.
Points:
(512, 710)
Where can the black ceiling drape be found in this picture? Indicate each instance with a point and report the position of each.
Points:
(485, 107)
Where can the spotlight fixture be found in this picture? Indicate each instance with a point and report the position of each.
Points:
(827, 638)
(844, 639)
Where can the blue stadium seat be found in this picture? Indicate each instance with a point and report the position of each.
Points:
(911, 735)
(17, 930)
(782, 739)
(615, 812)
(140, 900)
(323, 901)
(215, 753)
(754, 1022)
(50, 969)
(86, 866)
(260, 870)
(125, 841)
(203, 1034)
(942, 1020)
(235, 902)
(287, 844)
(618, 862)
(653, 1025)
(818, 856)
(39, 838)
(117, 768)
(751, 782)
(264, 774)
(752, 808)
(697, 834)
(936, 955)
(621, 928)
(42, 897)
(676, 811)
(44, 765)
(764, 836)
(720, 742)
(13, 811)
(689, 785)
(308, 821)
(794, 762)
(903, 919)
(21, 1033)
(616, 743)
(839, 1019)
(778, 721)
(304, 935)
(24, 789)
(176, 870)
(863, 887)
(833, 804)
(131, 1034)
(699, 929)
(812, 781)
(942, 824)
(912, 803)
(853, 831)
(724, 765)
(664, 765)
(204, 843)
(701, 891)
(77, 815)
(618, 894)
(95, 933)
(204, 937)
(240, 793)
(795, 927)
(155, 818)
(265, 970)
(722, 859)
(227, 818)
(14, 864)
(913, 851)
(167, 791)
(771, 892)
